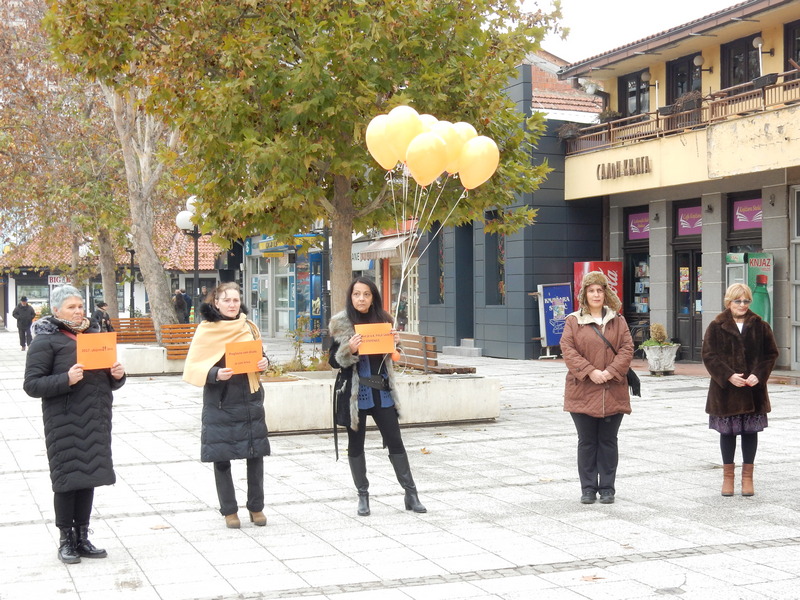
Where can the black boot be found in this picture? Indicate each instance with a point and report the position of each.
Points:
(66, 547)
(358, 467)
(84, 547)
(403, 471)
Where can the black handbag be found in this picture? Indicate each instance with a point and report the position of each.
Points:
(634, 385)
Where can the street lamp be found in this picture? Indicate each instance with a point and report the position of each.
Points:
(133, 278)
(184, 222)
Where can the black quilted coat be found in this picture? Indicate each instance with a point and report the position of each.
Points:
(234, 423)
(726, 351)
(77, 419)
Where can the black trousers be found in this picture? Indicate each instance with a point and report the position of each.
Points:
(597, 451)
(388, 425)
(73, 508)
(226, 492)
(25, 337)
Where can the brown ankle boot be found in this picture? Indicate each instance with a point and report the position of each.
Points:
(747, 480)
(727, 479)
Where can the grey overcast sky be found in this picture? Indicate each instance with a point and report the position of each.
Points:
(600, 25)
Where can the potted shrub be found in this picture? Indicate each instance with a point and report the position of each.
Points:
(688, 101)
(608, 114)
(660, 351)
(568, 131)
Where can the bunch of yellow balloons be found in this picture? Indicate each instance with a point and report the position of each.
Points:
(429, 147)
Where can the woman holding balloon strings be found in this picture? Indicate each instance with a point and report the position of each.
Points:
(365, 386)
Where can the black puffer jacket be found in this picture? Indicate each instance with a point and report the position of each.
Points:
(77, 419)
(234, 423)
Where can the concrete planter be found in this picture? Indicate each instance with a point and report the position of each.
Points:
(661, 359)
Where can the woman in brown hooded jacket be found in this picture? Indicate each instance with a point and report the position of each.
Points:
(739, 353)
(596, 393)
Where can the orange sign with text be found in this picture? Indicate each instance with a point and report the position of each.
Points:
(97, 350)
(243, 357)
(376, 338)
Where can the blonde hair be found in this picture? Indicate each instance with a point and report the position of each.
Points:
(598, 278)
(737, 290)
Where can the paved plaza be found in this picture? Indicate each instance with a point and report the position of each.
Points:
(503, 517)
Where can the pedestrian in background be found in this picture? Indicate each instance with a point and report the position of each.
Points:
(365, 385)
(180, 307)
(597, 348)
(76, 408)
(24, 313)
(102, 317)
(187, 299)
(739, 352)
(233, 421)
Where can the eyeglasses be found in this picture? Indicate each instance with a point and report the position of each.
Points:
(745, 302)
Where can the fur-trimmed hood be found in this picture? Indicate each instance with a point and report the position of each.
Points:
(210, 312)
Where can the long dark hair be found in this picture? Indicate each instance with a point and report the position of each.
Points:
(375, 314)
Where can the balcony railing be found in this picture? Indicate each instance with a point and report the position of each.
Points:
(762, 94)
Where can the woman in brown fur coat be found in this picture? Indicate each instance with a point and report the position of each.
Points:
(596, 393)
(739, 352)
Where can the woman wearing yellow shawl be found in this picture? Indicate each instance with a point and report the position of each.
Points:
(233, 421)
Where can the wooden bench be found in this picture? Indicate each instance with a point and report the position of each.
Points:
(419, 352)
(138, 330)
(176, 339)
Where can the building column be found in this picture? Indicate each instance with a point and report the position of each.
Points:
(775, 237)
(714, 245)
(662, 265)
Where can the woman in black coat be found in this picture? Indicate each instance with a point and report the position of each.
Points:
(365, 386)
(76, 407)
(739, 352)
(233, 422)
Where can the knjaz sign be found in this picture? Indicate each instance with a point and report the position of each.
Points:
(624, 168)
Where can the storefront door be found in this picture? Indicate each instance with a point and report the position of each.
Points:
(689, 303)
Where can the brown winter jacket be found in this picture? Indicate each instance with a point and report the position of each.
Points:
(584, 351)
(726, 351)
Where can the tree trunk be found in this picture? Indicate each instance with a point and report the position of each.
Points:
(108, 271)
(341, 242)
(139, 135)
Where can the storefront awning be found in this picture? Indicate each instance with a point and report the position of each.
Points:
(383, 248)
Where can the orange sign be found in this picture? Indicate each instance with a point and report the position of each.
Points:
(97, 350)
(243, 357)
(376, 338)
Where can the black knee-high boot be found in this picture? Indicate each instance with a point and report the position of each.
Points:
(358, 467)
(84, 547)
(67, 553)
(403, 471)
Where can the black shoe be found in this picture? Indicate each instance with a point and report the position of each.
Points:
(67, 552)
(606, 497)
(588, 497)
(84, 547)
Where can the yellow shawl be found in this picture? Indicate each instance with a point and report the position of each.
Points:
(208, 346)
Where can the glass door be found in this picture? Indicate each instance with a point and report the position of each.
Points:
(689, 303)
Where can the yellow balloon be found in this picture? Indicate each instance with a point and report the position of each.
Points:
(465, 133)
(426, 157)
(478, 161)
(378, 143)
(428, 121)
(402, 125)
(447, 131)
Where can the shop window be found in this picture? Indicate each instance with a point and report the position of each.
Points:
(495, 264)
(634, 95)
(682, 77)
(740, 61)
(436, 265)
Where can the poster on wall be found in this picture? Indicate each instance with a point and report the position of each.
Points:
(611, 269)
(555, 300)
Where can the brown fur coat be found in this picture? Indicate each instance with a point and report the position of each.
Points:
(726, 351)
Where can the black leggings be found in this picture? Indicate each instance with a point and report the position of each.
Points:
(727, 444)
(73, 508)
(386, 420)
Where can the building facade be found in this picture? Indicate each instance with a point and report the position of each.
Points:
(700, 169)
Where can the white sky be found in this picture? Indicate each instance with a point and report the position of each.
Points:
(600, 25)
